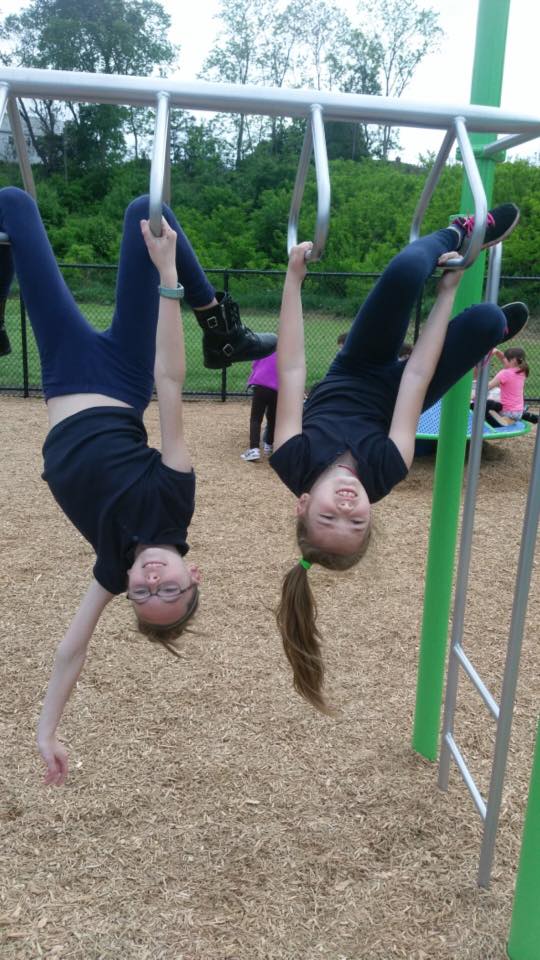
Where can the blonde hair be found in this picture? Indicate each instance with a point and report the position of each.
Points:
(296, 616)
(165, 633)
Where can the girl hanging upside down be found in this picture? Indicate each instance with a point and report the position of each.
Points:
(132, 503)
(353, 440)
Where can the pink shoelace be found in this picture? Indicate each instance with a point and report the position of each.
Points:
(467, 223)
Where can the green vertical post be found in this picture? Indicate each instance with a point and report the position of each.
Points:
(486, 87)
(524, 940)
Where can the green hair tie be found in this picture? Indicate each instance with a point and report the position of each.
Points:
(305, 563)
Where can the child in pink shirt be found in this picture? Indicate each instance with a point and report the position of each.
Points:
(264, 380)
(511, 382)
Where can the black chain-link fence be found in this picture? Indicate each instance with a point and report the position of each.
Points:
(330, 303)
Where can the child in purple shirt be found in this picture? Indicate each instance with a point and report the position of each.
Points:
(264, 380)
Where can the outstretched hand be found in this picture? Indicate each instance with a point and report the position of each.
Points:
(162, 249)
(55, 756)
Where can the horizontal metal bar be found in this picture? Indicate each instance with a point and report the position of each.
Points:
(268, 101)
(477, 681)
(506, 143)
(464, 770)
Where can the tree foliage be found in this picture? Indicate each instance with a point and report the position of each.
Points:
(94, 36)
(238, 218)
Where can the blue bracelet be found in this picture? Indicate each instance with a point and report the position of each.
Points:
(172, 293)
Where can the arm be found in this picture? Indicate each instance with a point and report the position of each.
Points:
(421, 366)
(495, 381)
(291, 361)
(170, 363)
(68, 663)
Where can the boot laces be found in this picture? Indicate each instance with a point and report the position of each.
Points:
(232, 312)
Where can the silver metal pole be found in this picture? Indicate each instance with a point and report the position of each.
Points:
(314, 141)
(467, 526)
(4, 94)
(479, 198)
(508, 694)
(159, 162)
(431, 183)
(20, 144)
(477, 189)
(268, 101)
(505, 143)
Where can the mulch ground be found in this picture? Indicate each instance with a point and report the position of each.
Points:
(209, 813)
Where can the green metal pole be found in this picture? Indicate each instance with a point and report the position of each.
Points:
(524, 940)
(486, 89)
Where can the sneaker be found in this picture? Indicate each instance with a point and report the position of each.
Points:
(5, 346)
(251, 455)
(516, 315)
(268, 448)
(500, 223)
(226, 339)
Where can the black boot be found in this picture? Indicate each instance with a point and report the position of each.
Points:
(5, 346)
(226, 340)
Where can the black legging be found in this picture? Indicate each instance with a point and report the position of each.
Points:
(263, 401)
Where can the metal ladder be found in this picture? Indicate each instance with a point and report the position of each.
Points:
(489, 809)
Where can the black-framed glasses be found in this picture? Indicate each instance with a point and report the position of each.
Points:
(166, 591)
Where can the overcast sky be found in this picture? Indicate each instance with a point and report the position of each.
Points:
(444, 77)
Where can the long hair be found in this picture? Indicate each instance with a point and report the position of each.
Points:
(165, 634)
(516, 353)
(296, 616)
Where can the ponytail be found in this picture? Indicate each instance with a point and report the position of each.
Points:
(297, 615)
(296, 618)
(517, 353)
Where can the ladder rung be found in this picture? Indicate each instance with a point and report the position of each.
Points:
(464, 770)
(476, 680)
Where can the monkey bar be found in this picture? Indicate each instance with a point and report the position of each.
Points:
(165, 94)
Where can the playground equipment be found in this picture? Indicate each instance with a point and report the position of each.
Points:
(489, 811)
(475, 126)
(430, 422)
(165, 95)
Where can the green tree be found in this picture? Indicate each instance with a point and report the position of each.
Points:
(405, 34)
(234, 60)
(105, 36)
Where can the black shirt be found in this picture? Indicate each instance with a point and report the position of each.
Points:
(346, 413)
(115, 489)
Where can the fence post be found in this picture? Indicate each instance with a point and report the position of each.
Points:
(224, 369)
(24, 347)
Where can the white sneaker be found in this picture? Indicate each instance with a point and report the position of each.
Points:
(268, 448)
(251, 455)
